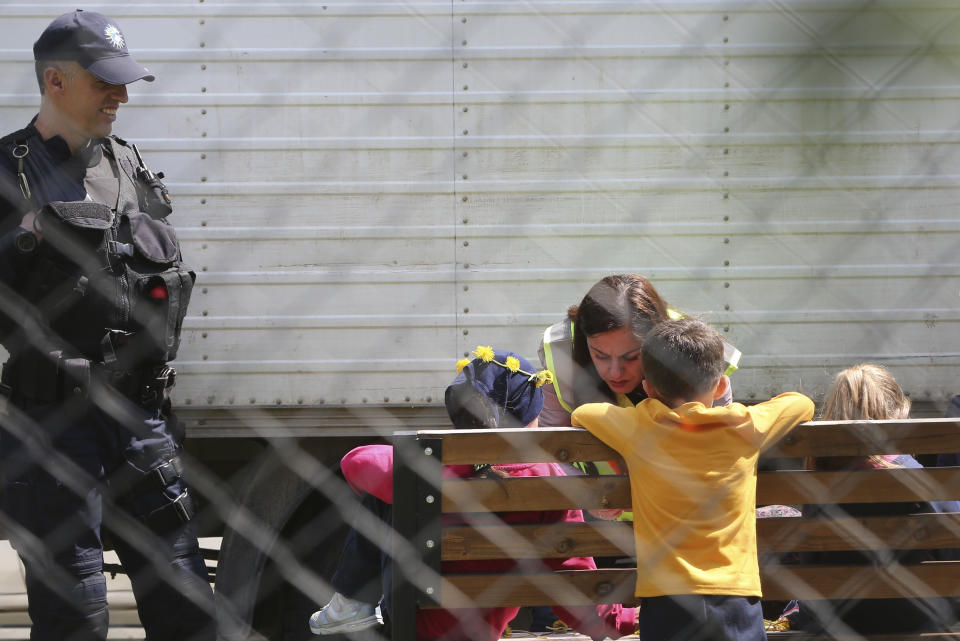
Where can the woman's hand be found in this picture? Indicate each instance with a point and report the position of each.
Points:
(609, 514)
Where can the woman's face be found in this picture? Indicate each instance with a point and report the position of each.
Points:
(616, 355)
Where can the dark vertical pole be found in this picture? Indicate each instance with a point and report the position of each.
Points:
(404, 599)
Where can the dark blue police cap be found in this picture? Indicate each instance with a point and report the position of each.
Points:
(95, 42)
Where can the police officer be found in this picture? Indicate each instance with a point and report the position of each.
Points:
(92, 296)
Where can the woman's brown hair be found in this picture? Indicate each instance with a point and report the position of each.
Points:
(623, 300)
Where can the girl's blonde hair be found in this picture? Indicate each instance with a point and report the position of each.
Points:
(863, 392)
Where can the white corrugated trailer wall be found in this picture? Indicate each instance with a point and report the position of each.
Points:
(786, 168)
(370, 189)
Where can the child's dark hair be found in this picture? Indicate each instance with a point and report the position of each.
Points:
(470, 409)
(682, 358)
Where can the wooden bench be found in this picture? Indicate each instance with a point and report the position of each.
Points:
(421, 543)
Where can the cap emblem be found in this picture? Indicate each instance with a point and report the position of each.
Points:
(114, 37)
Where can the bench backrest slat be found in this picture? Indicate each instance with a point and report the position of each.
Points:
(779, 535)
(779, 583)
(816, 438)
(781, 487)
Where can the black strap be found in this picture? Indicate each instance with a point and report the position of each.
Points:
(172, 515)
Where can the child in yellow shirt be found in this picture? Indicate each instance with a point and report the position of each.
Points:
(693, 477)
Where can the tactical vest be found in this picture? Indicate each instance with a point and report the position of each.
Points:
(108, 280)
(557, 356)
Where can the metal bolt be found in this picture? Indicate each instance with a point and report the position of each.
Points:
(430, 544)
(428, 451)
(429, 590)
(726, 307)
(203, 67)
(466, 332)
(463, 199)
(466, 131)
(430, 498)
(726, 263)
(726, 285)
(465, 87)
(466, 243)
(466, 310)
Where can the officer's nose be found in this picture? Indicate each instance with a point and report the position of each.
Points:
(120, 93)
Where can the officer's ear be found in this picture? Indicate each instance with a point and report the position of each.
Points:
(54, 78)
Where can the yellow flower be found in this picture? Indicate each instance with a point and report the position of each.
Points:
(513, 364)
(544, 377)
(463, 362)
(484, 353)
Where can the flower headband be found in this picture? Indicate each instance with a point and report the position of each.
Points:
(485, 353)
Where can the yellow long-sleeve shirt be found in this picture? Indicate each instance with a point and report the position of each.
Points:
(693, 476)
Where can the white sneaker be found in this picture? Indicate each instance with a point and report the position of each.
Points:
(342, 614)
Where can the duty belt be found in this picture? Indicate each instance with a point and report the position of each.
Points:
(56, 377)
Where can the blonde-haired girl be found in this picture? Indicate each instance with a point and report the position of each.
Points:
(869, 392)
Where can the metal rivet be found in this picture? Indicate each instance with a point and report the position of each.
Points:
(726, 263)
(203, 67)
(726, 285)
(466, 243)
(726, 107)
(465, 87)
(77, 390)
(463, 20)
(203, 313)
(429, 498)
(203, 112)
(466, 332)
(465, 221)
(464, 43)
(726, 195)
(429, 590)
(726, 40)
(464, 176)
(726, 307)
(205, 357)
(203, 157)
(465, 65)
(466, 310)
(465, 109)
(466, 288)
(466, 131)
(430, 544)
(726, 241)
(203, 335)
(726, 218)
(726, 151)
(428, 451)
(203, 201)
(386, 399)
(204, 290)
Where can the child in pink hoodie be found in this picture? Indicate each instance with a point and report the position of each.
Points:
(496, 389)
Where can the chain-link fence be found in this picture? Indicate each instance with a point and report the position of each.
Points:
(366, 191)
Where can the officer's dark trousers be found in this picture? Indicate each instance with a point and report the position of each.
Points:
(55, 506)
